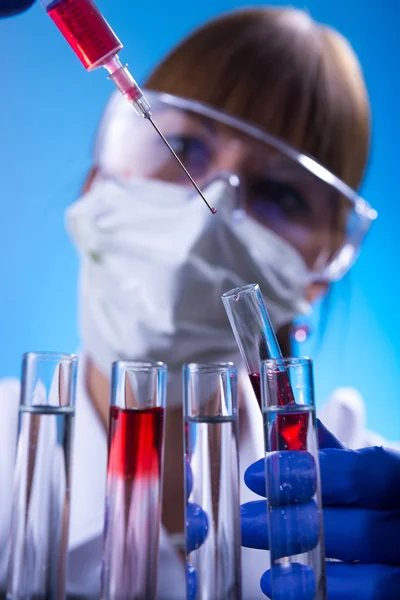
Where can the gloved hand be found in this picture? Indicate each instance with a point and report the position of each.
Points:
(196, 532)
(361, 497)
(9, 8)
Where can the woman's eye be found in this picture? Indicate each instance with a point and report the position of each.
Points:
(193, 152)
(283, 196)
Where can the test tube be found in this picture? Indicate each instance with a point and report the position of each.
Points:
(252, 328)
(212, 481)
(134, 478)
(257, 341)
(41, 494)
(293, 486)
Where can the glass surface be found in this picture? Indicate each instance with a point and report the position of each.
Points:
(293, 480)
(134, 479)
(41, 494)
(255, 337)
(251, 326)
(212, 479)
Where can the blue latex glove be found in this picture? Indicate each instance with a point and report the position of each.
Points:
(9, 8)
(196, 533)
(361, 496)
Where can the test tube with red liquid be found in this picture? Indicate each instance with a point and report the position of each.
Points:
(293, 484)
(96, 45)
(134, 481)
(257, 341)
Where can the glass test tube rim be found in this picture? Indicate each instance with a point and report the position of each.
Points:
(121, 369)
(240, 290)
(31, 363)
(211, 367)
(220, 369)
(289, 362)
(139, 365)
(50, 356)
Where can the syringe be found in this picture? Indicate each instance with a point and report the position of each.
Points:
(96, 45)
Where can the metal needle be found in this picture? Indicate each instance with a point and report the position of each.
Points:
(213, 210)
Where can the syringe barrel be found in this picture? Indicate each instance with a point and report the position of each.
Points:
(85, 29)
(96, 45)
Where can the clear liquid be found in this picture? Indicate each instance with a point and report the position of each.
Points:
(295, 522)
(41, 502)
(212, 451)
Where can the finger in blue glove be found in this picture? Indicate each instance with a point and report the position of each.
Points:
(326, 439)
(355, 581)
(361, 492)
(370, 536)
(196, 526)
(295, 528)
(292, 477)
(291, 582)
(191, 582)
(369, 477)
(362, 582)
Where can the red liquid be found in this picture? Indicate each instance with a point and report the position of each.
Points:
(133, 506)
(135, 442)
(86, 31)
(292, 428)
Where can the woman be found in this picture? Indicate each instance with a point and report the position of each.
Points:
(155, 261)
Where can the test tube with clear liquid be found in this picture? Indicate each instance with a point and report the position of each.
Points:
(41, 493)
(211, 456)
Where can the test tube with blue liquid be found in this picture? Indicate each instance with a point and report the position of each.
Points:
(41, 493)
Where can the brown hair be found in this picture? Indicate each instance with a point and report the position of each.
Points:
(280, 70)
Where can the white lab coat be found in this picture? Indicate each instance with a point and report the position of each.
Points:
(344, 414)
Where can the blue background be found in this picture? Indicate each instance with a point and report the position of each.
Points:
(49, 109)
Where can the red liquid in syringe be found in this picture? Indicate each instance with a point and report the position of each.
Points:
(86, 31)
(292, 428)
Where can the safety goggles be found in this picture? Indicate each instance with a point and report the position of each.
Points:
(285, 191)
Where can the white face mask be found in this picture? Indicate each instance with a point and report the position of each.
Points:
(155, 263)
